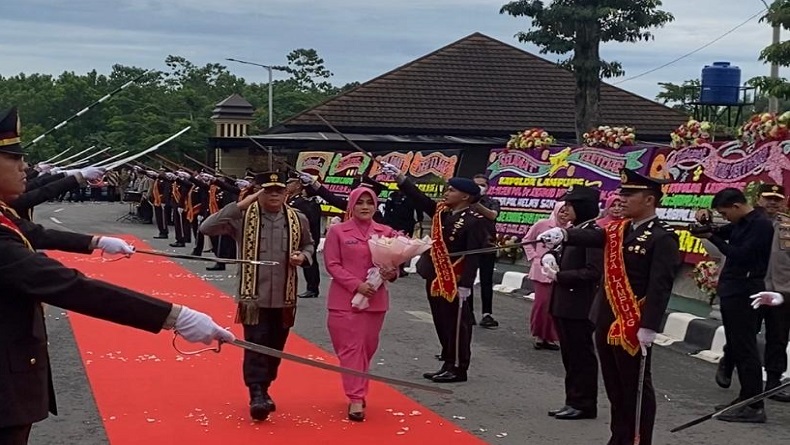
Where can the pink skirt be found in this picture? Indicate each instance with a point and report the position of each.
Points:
(541, 324)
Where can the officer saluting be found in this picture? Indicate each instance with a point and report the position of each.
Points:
(449, 280)
(641, 259)
(312, 210)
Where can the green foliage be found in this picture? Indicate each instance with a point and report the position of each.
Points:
(157, 106)
(679, 96)
(579, 27)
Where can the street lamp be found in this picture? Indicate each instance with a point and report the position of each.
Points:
(270, 69)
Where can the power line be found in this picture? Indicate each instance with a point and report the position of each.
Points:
(692, 52)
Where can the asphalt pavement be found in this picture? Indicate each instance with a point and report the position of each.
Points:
(511, 385)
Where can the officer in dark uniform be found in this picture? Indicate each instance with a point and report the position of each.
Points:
(312, 210)
(180, 187)
(399, 213)
(644, 252)
(339, 201)
(449, 280)
(576, 276)
(160, 192)
(29, 279)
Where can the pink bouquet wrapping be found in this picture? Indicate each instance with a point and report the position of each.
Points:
(389, 253)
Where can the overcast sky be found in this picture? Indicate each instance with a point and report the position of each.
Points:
(358, 39)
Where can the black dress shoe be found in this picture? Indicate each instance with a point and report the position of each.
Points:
(488, 322)
(431, 375)
(575, 414)
(267, 400)
(196, 253)
(781, 396)
(218, 266)
(721, 407)
(308, 294)
(161, 237)
(259, 409)
(450, 376)
(746, 414)
(177, 244)
(554, 412)
(724, 374)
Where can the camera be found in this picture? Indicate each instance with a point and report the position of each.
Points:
(703, 229)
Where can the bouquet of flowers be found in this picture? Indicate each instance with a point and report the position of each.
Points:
(388, 253)
(691, 133)
(765, 127)
(609, 137)
(532, 138)
(706, 277)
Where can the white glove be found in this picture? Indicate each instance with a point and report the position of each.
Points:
(464, 293)
(390, 169)
(170, 177)
(552, 237)
(196, 327)
(57, 170)
(242, 183)
(646, 337)
(114, 246)
(91, 173)
(549, 262)
(183, 175)
(44, 168)
(151, 173)
(205, 177)
(767, 299)
(137, 168)
(306, 179)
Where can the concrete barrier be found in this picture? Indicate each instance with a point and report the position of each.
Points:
(510, 282)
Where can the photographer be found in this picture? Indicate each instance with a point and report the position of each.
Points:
(746, 243)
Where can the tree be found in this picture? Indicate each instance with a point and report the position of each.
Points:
(579, 27)
(778, 15)
(307, 70)
(679, 96)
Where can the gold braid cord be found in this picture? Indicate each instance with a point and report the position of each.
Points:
(247, 312)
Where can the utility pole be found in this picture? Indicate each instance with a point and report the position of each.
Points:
(773, 102)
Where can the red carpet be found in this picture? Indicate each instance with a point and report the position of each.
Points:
(147, 393)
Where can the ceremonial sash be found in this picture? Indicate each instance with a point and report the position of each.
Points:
(213, 205)
(247, 311)
(445, 284)
(192, 209)
(10, 225)
(176, 192)
(619, 293)
(156, 193)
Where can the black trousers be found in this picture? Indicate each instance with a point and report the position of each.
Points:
(312, 275)
(777, 329)
(260, 369)
(181, 225)
(15, 435)
(223, 246)
(486, 266)
(620, 371)
(445, 320)
(740, 331)
(161, 220)
(580, 362)
(200, 239)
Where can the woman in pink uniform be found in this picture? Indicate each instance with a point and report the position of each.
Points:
(355, 333)
(540, 322)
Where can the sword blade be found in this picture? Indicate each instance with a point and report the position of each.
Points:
(120, 162)
(211, 260)
(86, 159)
(260, 349)
(74, 155)
(56, 156)
(494, 248)
(741, 404)
(104, 162)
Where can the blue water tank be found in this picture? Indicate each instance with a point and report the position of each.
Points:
(720, 84)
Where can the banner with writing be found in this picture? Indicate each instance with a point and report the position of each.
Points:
(336, 170)
(528, 183)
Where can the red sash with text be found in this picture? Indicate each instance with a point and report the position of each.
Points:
(621, 297)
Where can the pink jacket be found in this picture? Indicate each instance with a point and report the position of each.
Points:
(535, 252)
(347, 260)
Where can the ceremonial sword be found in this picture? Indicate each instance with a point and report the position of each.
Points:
(741, 404)
(265, 350)
(86, 159)
(56, 163)
(120, 162)
(104, 162)
(85, 110)
(200, 258)
(495, 248)
(56, 156)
